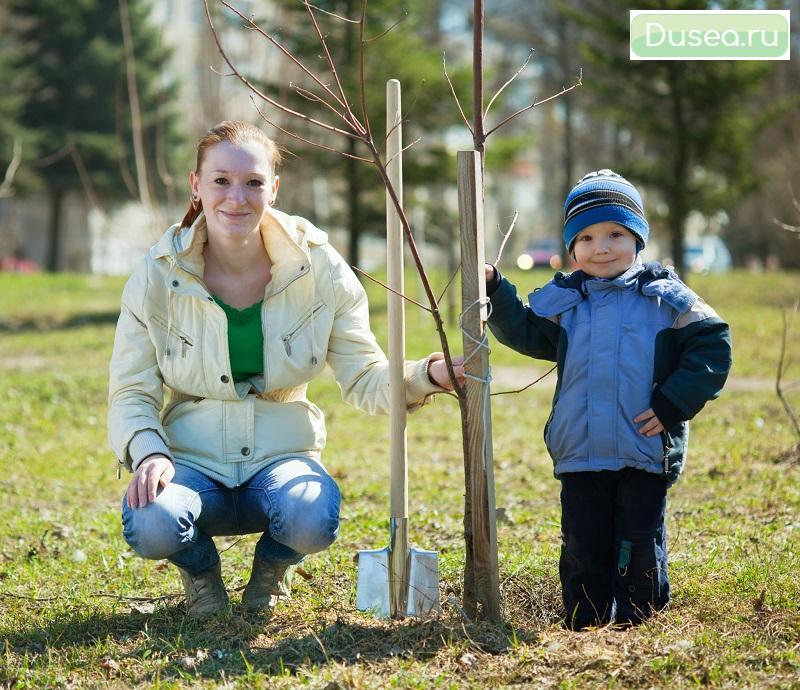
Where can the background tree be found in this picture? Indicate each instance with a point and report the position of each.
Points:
(403, 43)
(76, 98)
(15, 140)
(685, 128)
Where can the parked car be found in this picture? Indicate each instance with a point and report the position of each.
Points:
(706, 255)
(542, 254)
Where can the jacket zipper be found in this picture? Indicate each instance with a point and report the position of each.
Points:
(287, 339)
(186, 343)
(667, 448)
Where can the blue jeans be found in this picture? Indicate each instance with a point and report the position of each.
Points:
(613, 562)
(294, 502)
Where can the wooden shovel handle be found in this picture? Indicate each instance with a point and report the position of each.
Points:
(394, 268)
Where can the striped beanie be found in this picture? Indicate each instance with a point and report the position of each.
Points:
(600, 197)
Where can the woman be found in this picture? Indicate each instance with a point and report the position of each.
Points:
(235, 310)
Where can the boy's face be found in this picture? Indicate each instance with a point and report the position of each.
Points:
(604, 250)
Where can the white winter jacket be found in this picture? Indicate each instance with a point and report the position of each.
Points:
(172, 334)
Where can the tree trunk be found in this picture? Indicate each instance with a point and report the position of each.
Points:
(678, 206)
(54, 236)
(481, 578)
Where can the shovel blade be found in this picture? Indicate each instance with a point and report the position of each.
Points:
(423, 583)
(372, 588)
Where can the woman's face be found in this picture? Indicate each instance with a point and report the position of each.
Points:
(236, 183)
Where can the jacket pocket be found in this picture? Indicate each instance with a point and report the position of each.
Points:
(298, 327)
(183, 340)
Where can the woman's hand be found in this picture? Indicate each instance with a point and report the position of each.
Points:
(652, 424)
(489, 272)
(437, 372)
(155, 471)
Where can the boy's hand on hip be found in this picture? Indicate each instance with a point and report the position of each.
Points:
(652, 424)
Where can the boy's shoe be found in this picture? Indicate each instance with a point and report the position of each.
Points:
(205, 593)
(269, 582)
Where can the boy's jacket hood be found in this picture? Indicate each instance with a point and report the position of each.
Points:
(566, 290)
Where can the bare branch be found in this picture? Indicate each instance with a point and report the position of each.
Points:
(7, 188)
(53, 157)
(407, 117)
(362, 69)
(399, 294)
(264, 96)
(307, 141)
(405, 148)
(137, 129)
(532, 383)
(449, 282)
(782, 365)
(353, 120)
(579, 82)
(121, 147)
(86, 181)
(505, 237)
(786, 226)
(455, 95)
(332, 14)
(311, 96)
(221, 74)
(383, 33)
(516, 74)
(795, 201)
(288, 53)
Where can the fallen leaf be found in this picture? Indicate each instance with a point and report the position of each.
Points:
(679, 646)
(468, 660)
(143, 607)
(110, 665)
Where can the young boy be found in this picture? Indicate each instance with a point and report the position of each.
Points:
(638, 354)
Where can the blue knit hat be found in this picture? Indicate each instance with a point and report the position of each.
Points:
(600, 197)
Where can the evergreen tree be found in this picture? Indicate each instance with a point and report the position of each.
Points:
(685, 127)
(76, 97)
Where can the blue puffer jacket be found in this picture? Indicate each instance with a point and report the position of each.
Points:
(641, 340)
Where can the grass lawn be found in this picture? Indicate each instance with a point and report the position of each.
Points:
(78, 609)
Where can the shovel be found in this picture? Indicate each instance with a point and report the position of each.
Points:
(397, 581)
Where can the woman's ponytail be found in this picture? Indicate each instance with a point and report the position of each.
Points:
(195, 209)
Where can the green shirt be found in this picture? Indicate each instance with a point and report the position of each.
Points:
(245, 339)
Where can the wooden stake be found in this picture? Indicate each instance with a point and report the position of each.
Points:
(476, 414)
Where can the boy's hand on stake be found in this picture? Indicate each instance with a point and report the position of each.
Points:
(652, 424)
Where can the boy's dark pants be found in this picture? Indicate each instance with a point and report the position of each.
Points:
(614, 546)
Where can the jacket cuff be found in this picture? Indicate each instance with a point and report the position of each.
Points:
(668, 414)
(419, 386)
(494, 282)
(144, 444)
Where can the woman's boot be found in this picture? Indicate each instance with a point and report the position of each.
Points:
(268, 582)
(205, 593)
